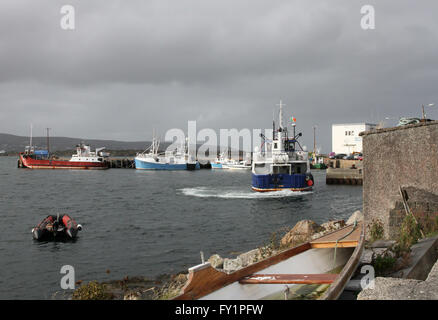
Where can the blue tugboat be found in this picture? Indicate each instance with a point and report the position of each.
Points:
(278, 165)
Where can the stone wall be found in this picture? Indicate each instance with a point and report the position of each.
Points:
(422, 204)
(404, 156)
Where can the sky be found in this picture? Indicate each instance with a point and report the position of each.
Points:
(130, 67)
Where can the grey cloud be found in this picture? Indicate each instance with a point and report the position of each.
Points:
(131, 66)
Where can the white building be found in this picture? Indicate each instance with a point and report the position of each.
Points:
(345, 137)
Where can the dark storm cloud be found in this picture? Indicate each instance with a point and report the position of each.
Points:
(131, 66)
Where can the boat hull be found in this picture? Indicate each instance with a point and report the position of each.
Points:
(312, 261)
(61, 164)
(147, 165)
(278, 182)
(317, 262)
(193, 166)
(229, 166)
(236, 167)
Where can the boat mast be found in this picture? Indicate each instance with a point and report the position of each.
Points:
(48, 145)
(273, 124)
(280, 126)
(154, 143)
(31, 129)
(280, 115)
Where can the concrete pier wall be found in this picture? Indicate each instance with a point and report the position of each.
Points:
(341, 163)
(343, 176)
(405, 156)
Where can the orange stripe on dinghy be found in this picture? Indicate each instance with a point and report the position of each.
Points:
(325, 278)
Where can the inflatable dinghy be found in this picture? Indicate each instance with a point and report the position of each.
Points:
(56, 227)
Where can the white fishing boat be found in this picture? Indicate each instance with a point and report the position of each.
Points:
(178, 159)
(319, 269)
(222, 162)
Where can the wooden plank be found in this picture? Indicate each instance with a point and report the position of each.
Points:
(343, 244)
(343, 237)
(325, 278)
(205, 279)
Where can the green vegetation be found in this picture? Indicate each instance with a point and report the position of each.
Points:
(409, 235)
(384, 264)
(172, 289)
(92, 291)
(376, 230)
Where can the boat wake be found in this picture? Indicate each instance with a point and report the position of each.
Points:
(233, 193)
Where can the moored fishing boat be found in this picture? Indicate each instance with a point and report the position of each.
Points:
(278, 165)
(178, 159)
(222, 162)
(320, 268)
(83, 159)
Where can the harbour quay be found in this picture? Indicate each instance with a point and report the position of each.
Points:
(340, 171)
(120, 163)
(351, 176)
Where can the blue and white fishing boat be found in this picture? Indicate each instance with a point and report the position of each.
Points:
(222, 162)
(277, 165)
(178, 159)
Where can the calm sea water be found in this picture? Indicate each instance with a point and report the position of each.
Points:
(142, 223)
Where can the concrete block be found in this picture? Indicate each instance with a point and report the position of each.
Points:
(382, 244)
(367, 257)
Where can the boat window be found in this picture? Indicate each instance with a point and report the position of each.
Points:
(281, 169)
(262, 168)
(299, 168)
(99, 159)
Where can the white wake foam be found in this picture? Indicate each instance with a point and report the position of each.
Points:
(234, 193)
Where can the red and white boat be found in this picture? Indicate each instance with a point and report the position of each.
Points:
(83, 159)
